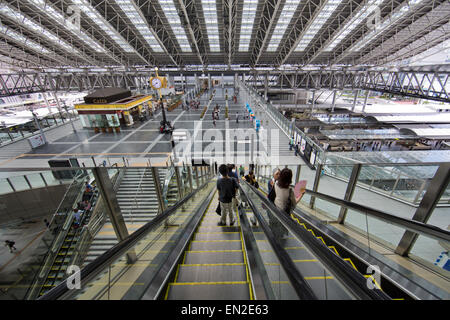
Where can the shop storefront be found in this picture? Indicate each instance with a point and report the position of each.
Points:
(112, 108)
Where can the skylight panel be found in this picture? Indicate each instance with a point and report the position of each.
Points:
(171, 14)
(353, 23)
(210, 15)
(318, 23)
(59, 18)
(285, 18)
(96, 18)
(132, 14)
(28, 23)
(248, 18)
(19, 38)
(393, 18)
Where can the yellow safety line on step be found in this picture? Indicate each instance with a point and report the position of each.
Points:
(216, 232)
(215, 240)
(305, 260)
(205, 283)
(306, 278)
(213, 251)
(212, 264)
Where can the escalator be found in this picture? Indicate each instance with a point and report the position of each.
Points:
(386, 282)
(215, 264)
(277, 257)
(323, 284)
(65, 253)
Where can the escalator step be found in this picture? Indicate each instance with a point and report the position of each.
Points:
(217, 235)
(206, 291)
(216, 245)
(212, 273)
(208, 257)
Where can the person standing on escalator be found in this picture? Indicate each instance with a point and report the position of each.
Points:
(226, 187)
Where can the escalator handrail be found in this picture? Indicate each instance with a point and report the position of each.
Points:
(355, 282)
(100, 263)
(412, 225)
(298, 282)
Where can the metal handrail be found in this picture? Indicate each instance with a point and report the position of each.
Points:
(415, 226)
(298, 282)
(62, 232)
(169, 176)
(355, 282)
(118, 250)
(96, 221)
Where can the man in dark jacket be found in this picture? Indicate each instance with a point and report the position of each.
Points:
(227, 191)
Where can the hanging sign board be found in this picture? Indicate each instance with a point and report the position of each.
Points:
(36, 141)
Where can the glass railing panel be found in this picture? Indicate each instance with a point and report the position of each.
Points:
(440, 217)
(432, 252)
(357, 221)
(384, 233)
(19, 183)
(325, 210)
(445, 198)
(323, 284)
(412, 181)
(35, 180)
(123, 280)
(5, 187)
(332, 187)
(50, 178)
(382, 201)
(372, 231)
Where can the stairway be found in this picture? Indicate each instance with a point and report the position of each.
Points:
(138, 204)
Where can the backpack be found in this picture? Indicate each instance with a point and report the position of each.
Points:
(272, 195)
(290, 206)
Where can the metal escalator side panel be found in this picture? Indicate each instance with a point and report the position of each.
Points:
(354, 282)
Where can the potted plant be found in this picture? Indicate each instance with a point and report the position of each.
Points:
(103, 126)
(96, 129)
(116, 124)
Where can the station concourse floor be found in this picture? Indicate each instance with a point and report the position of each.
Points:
(142, 140)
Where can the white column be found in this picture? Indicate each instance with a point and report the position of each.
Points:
(333, 104)
(354, 100)
(365, 100)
